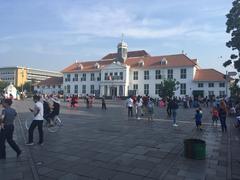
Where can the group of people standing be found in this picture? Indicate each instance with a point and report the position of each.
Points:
(143, 106)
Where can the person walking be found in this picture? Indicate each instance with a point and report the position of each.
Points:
(37, 121)
(130, 106)
(7, 128)
(222, 112)
(174, 106)
(215, 116)
(150, 109)
(198, 119)
(104, 103)
(169, 104)
(139, 103)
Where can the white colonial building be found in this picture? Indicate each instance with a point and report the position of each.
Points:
(137, 72)
(50, 86)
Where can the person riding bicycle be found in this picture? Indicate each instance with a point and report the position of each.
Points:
(47, 110)
(55, 109)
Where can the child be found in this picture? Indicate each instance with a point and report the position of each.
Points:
(215, 116)
(198, 119)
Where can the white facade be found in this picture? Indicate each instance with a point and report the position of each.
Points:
(48, 89)
(122, 77)
(10, 90)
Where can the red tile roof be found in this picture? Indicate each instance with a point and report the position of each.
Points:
(208, 75)
(51, 81)
(88, 66)
(130, 54)
(178, 60)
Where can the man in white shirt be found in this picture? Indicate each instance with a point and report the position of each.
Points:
(130, 106)
(37, 121)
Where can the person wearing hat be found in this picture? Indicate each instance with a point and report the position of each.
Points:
(38, 113)
(7, 128)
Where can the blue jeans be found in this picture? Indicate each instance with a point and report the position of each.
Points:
(174, 114)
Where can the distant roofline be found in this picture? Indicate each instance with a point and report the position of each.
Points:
(21, 67)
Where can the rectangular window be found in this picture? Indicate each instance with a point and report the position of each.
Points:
(183, 74)
(200, 85)
(135, 86)
(84, 89)
(221, 93)
(54, 86)
(76, 89)
(92, 77)
(121, 75)
(210, 93)
(75, 77)
(183, 88)
(59, 86)
(170, 74)
(135, 75)
(68, 88)
(106, 76)
(99, 77)
(84, 77)
(210, 84)
(221, 84)
(68, 78)
(146, 75)
(158, 89)
(158, 74)
(115, 77)
(146, 89)
(92, 89)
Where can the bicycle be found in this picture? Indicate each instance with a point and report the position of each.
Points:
(52, 127)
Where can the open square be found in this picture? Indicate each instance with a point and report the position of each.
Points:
(98, 144)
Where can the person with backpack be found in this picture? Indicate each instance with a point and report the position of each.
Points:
(174, 106)
(7, 128)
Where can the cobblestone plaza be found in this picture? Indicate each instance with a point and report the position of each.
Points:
(107, 145)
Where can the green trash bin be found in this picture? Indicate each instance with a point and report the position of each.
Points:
(195, 149)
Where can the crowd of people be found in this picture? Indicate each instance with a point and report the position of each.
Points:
(220, 108)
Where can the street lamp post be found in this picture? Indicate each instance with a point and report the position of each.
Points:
(22, 81)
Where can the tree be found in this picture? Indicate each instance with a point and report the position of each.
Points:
(168, 86)
(27, 86)
(233, 27)
(3, 84)
(235, 89)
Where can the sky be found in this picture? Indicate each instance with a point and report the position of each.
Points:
(52, 34)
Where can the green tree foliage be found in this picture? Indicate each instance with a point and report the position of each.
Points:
(27, 86)
(168, 86)
(235, 89)
(233, 28)
(3, 84)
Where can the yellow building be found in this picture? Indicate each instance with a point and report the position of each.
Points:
(20, 75)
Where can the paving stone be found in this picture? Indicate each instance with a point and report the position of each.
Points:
(125, 176)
